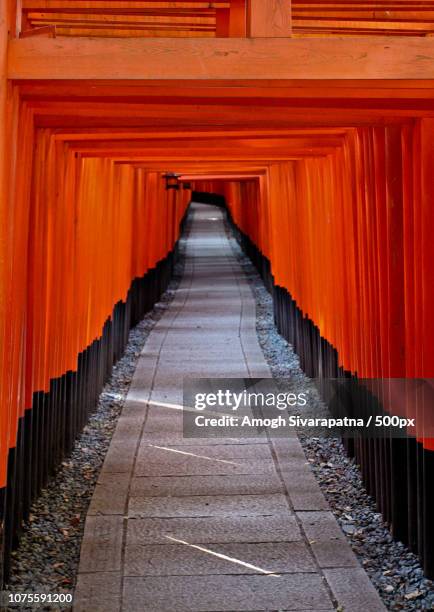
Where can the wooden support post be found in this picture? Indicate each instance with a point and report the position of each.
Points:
(4, 39)
(238, 19)
(21, 22)
(4, 425)
(269, 19)
(222, 23)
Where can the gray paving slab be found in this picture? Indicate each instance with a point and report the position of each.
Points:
(176, 438)
(353, 590)
(327, 540)
(181, 523)
(296, 474)
(208, 505)
(226, 593)
(176, 464)
(226, 451)
(102, 544)
(302, 488)
(99, 592)
(110, 495)
(216, 529)
(120, 457)
(214, 559)
(239, 484)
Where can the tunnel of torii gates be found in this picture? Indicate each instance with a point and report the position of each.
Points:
(314, 122)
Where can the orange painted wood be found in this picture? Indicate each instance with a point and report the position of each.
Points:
(269, 18)
(147, 18)
(362, 17)
(125, 19)
(222, 23)
(237, 18)
(4, 234)
(49, 31)
(142, 60)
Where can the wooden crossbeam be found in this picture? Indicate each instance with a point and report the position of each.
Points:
(90, 5)
(237, 26)
(369, 93)
(204, 167)
(131, 20)
(229, 59)
(210, 144)
(98, 134)
(148, 32)
(317, 107)
(218, 177)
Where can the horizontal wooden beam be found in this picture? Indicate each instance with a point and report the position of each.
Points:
(204, 151)
(219, 177)
(204, 167)
(223, 158)
(98, 134)
(225, 58)
(233, 117)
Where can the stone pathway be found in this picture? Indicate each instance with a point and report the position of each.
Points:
(178, 524)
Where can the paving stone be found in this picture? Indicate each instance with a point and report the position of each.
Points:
(99, 592)
(145, 370)
(211, 505)
(162, 424)
(134, 410)
(276, 528)
(123, 447)
(110, 495)
(178, 356)
(226, 593)
(102, 544)
(318, 525)
(206, 369)
(176, 464)
(130, 422)
(177, 486)
(303, 489)
(301, 485)
(177, 438)
(256, 369)
(328, 543)
(182, 559)
(288, 450)
(353, 590)
(120, 457)
(225, 451)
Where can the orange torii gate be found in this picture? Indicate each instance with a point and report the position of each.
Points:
(322, 146)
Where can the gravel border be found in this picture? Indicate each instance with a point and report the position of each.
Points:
(49, 550)
(394, 570)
